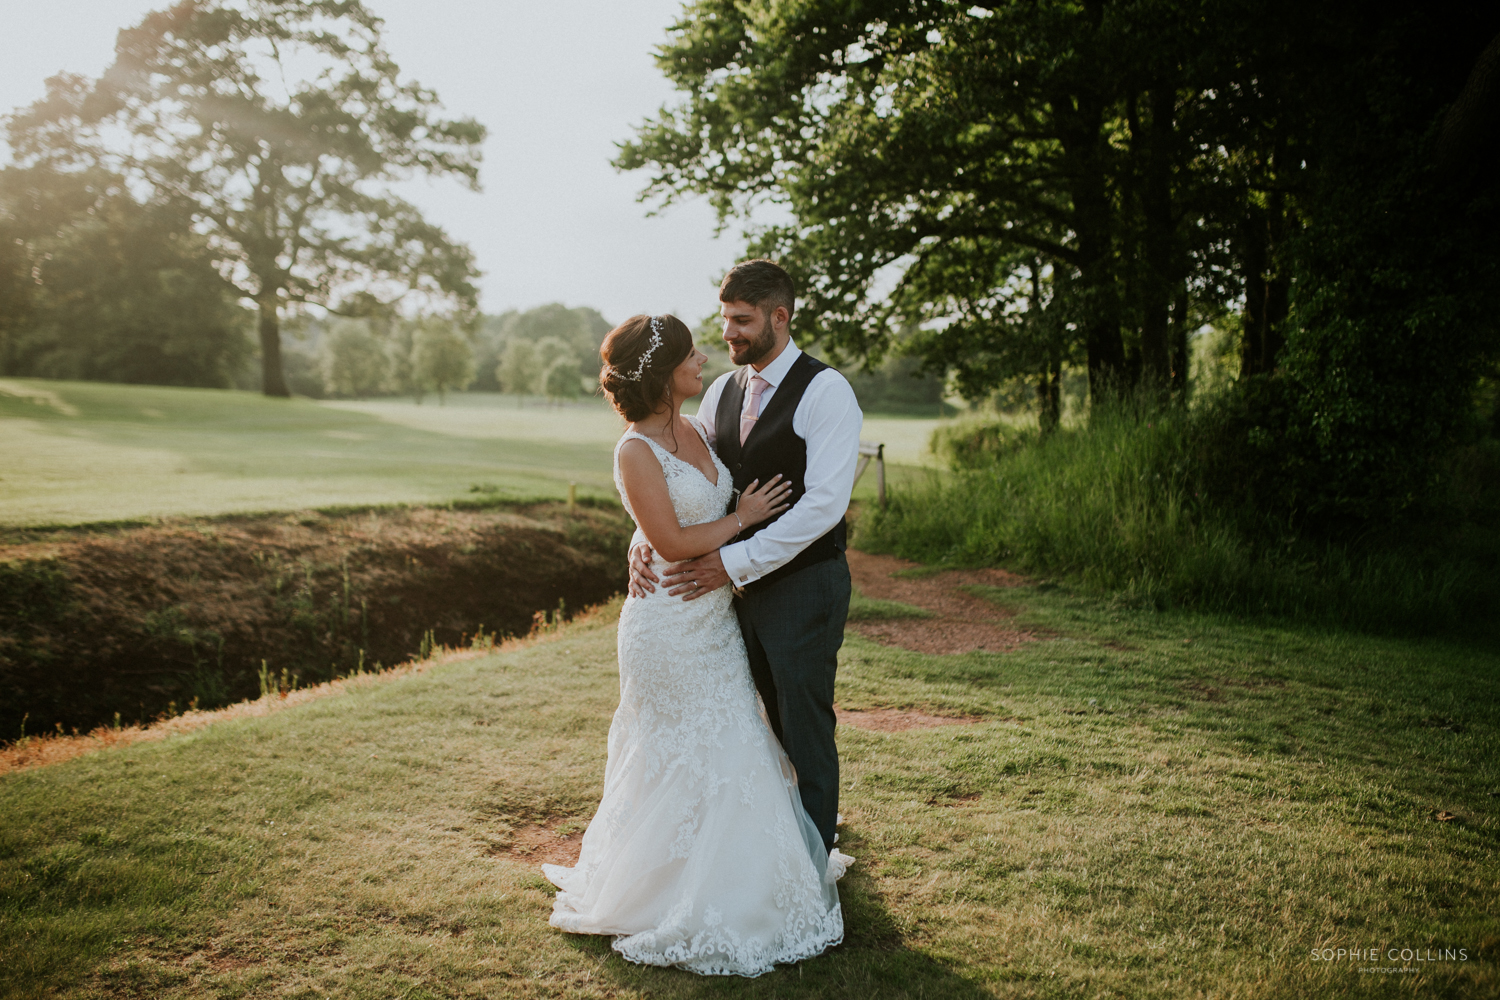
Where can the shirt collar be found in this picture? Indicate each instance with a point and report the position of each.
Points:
(774, 372)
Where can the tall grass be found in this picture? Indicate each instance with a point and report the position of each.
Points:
(1119, 506)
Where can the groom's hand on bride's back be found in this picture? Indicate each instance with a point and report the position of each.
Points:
(642, 578)
(696, 577)
(687, 580)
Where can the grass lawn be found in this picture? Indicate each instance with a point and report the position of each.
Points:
(79, 452)
(1154, 805)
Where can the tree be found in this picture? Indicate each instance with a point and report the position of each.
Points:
(96, 285)
(558, 364)
(917, 138)
(932, 155)
(355, 361)
(581, 327)
(561, 379)
(274, 122)
(1029, 181)
(442, 358)
(519, 368)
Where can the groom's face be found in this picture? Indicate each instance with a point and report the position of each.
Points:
(747, 331)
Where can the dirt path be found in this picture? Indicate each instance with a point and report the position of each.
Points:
(960, 622)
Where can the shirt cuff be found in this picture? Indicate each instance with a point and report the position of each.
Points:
(736, 557)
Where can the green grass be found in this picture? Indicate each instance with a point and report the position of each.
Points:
(1157, 805)
(81, 452)
(862, 608)
(1119, 507)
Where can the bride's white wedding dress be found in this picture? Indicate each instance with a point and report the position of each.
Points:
(701, 854)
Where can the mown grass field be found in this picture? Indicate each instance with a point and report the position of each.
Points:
(80, 452)
(1154, 805)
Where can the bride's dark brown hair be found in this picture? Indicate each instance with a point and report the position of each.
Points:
(636, 399)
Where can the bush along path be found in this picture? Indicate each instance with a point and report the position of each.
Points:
(119, 626)
(1136, 804)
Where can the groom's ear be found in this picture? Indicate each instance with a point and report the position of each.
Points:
(780, 317)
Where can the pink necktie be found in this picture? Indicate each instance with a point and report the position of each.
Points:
(752, 411)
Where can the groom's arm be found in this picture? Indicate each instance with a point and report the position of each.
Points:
(830, 422)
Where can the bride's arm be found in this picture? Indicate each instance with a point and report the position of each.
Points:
(646, 486)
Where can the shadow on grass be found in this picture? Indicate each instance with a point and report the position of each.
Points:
(875, 959)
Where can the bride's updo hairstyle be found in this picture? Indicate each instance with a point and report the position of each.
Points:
(639, 357)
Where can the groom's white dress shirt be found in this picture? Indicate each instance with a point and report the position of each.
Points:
(828, 418)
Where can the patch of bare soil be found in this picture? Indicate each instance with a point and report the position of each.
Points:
(555, 842)
(895, 720)
(961, 622)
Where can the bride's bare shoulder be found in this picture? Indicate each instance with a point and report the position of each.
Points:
(634, 452)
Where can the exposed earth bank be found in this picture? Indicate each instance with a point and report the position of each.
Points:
(146, 620)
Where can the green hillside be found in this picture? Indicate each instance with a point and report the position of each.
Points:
(79, 452)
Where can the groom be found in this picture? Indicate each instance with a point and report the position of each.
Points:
(782, 412)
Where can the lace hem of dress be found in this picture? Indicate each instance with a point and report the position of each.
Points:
(719, 951)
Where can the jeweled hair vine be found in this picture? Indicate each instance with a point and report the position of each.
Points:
(645, 359)
(639, 358)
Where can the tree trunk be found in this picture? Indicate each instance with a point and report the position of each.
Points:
(272, 375)
(1049, 399)
(1081, 130)
(1278, 286)
(1253, 262)
(1049, 384)
(1158, 239)
(1180, 356)
(1092, 219)
(1278, 292)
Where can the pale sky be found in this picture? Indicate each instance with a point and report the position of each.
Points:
(557, 82)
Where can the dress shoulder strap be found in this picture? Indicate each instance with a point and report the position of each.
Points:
(628, 435)
(662, 454)
(702, 431)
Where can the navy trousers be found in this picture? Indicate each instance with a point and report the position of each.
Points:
(793, 629)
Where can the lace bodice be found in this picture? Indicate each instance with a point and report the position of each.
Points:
(694, 499)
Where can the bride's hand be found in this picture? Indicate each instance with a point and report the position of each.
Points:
(758, 503)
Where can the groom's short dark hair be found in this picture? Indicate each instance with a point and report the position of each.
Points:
(762, 283)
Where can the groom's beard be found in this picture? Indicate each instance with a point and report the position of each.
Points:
(752, 349)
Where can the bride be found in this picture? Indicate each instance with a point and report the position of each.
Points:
(701, 854)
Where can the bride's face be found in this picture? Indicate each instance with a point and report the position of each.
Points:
(687, 378)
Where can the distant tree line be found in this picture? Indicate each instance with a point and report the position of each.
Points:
(550, 351)
(1007, 191)
(237, 151)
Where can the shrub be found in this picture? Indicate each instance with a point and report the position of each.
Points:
(975, 444)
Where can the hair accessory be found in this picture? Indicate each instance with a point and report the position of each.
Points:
(640, 369)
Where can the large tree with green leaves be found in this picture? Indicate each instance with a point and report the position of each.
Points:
(932, 153)
(96, 285)
(277, 124)
(935, 156)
